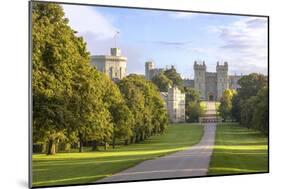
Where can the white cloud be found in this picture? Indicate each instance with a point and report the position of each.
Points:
(85, 19)
(98, 31)
(244, 45)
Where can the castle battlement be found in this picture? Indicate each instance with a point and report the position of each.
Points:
(210, 85)
(223, 66)
(151, 71)
(199, 65)
(211, 74)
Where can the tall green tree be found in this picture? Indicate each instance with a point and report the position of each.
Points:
(146, 105)
(175, 77)
(66, 100)
(162, 82)
(260, 119)
(250, 105)
(251, 84)
(191, 95)
(247, 111)
(51, 72)
(225, 108)
(91, 117)
(193, 110)
(235, 110)
(121, 116)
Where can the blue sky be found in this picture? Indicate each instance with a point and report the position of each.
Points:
(173, 38)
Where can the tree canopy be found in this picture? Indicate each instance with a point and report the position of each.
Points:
(71, 100)
(146, 105)
(168, 78)
(162, 82)
(250, 104)
(75, 103)
(174, 76)
(226, 104)
(193, 110)
(59, 61)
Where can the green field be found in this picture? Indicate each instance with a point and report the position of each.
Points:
(203, 105)
(238, 150)
(70, 168)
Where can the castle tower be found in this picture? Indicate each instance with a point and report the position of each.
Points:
(113, 65)
(115, 52)
(149, 65)
(222, 79)
(175, 104)
(200, 79)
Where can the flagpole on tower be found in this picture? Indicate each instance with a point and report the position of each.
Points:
(115, 38)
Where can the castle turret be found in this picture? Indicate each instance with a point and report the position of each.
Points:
(115, 52)
(200, 78)
(113, 65)
(149, 65)
(222, 79)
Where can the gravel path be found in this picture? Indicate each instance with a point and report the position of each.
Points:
(188, 163)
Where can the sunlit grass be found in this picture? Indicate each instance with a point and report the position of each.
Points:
(238, 150)
(87, 167)
(203, 105)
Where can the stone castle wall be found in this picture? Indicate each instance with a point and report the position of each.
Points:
(175, 104)
(210, 85)
(113, 65)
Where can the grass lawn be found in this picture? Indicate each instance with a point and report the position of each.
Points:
(238, 150)
(87, 167)
(203, 105)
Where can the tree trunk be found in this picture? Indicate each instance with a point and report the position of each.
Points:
(137, 139)
(105, 145)
(141, 137)
(51, 148)
(94, 145)
(67, 147)
(132, 140)
(80, 143)
(81, 146)
(44, 146)
(126, 142)
(113, 142)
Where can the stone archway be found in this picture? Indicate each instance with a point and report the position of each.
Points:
(211, 97)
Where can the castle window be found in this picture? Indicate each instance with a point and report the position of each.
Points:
(111, 72)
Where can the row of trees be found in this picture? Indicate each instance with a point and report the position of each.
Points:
(249, 105)
(73, 102)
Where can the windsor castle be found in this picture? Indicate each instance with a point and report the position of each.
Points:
(210, 85)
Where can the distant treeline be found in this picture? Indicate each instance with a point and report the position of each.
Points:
(249, 104)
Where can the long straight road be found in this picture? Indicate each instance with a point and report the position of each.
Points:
(191, 162)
